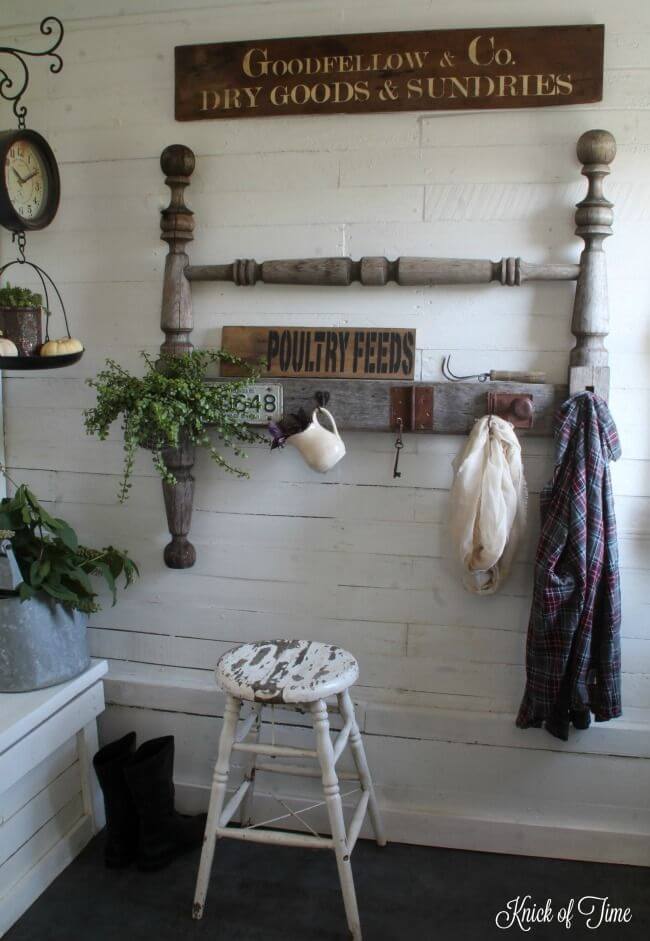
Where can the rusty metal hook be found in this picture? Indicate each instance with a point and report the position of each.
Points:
(448, 374)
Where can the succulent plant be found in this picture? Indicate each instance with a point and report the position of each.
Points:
(19, 297)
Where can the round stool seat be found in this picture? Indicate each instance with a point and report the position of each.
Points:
(291, 671)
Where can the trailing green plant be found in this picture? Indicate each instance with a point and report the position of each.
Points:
(173, 403)
(51, 560)
(19, 297)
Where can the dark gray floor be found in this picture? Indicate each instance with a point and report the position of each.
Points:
(261, 893)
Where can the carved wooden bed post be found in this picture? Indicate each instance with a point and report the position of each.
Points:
(177, 224)
(454, 405)
(589, 367)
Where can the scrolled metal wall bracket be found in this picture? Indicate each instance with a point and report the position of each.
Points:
(13, 88)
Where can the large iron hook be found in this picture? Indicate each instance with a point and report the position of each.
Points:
(448, 374)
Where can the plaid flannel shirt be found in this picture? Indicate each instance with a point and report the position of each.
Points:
(573, 660)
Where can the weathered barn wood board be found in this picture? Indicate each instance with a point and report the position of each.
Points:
(365, 404)
(429, 70)
(319, 351)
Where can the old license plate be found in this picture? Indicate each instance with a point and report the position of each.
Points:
(262, 403)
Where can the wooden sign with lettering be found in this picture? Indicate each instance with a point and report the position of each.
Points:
(317, 352)
(428, 70)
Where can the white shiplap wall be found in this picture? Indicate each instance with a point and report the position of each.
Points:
(357, 558)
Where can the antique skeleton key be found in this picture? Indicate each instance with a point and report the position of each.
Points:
(399, 444)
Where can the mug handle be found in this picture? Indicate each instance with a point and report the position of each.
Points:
(315, 417)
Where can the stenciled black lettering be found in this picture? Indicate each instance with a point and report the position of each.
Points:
(298, 352)
(409, 353)
(285, 350)
(331, 348)
(395, 352)
(370, 352)
(319, 339)
(344, 338)
(272, 346)
(382, 350)
(358, 349)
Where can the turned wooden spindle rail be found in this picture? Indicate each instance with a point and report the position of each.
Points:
(454, 405)
(376, 271)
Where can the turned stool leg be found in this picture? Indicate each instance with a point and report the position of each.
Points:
(246, 810)
(217, 797)
(346, 708)
(335, 812)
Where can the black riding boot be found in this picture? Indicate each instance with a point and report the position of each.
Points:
(163, 833)
(121, 819)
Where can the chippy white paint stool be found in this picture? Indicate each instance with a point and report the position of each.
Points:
(297, 674)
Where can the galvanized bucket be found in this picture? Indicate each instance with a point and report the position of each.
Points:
(41, 643)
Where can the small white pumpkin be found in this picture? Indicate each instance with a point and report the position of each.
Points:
(62, 347)
(7, 346)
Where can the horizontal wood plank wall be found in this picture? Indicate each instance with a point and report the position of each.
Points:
(357, 557)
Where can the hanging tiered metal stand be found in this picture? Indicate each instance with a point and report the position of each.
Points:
(13, 89)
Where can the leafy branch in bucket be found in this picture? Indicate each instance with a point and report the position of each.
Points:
(51, 560)
(173, 403)
(19, 297)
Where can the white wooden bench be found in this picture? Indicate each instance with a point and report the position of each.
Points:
(50, 805)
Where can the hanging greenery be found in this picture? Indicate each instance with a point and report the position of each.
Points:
(50, 558)
(170, 404)
(19, 297)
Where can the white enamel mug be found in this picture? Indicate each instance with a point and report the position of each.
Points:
(321, 448)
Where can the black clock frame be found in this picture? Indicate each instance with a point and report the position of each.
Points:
(11, 219)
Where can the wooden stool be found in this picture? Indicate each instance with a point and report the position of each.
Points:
(298, 674)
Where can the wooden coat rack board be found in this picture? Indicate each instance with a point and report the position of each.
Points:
(442, 408)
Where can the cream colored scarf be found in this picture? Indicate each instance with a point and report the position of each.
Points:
(488, 504)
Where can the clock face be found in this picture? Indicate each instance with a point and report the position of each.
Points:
(26, 179)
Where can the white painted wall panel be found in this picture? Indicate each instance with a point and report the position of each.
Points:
(356, 558)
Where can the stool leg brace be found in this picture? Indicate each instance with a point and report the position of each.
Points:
(327, 754)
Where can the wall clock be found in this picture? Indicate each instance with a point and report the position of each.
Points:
(30, 186)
